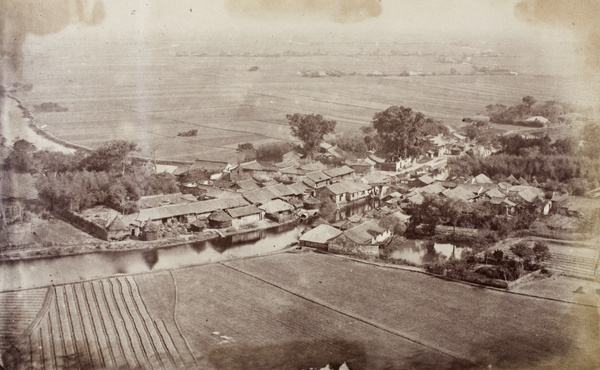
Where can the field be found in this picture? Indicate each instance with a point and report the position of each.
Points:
(483, 326)
(100, 324)
(147, 94)
(292, 311)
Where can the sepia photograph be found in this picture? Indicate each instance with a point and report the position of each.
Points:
(300, 184)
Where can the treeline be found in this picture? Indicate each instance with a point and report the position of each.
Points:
(568, 165)
(272, 152)
(106, 176)
(572, 174)
(436, 210)
(553, 110)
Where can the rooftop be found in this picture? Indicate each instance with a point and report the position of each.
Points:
(320, 234)
(365, 232)
(347, 187)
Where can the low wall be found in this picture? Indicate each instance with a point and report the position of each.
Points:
(369, 250)
(87, 226)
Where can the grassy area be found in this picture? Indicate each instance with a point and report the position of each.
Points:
(486, 326)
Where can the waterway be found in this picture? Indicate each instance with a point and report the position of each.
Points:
(69, 269)
(416, 252)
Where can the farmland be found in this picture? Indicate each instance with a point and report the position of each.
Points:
(484, 326)
(293, 310)
(150, 95)
(102, 323)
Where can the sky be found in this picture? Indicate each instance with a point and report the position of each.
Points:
(243, 17)
(114, 20)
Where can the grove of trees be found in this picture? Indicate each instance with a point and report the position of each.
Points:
(107, 176)
(399, 130)
(310, 129)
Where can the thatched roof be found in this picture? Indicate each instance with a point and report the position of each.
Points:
(151, 227)
(117, 225)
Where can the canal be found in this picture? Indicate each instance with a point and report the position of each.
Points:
(68, 269)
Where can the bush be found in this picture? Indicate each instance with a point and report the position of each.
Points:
(522, 250)
(541, 251)
(188, 133)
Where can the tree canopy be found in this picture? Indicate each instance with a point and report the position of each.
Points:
(399, 129)
(310, 129)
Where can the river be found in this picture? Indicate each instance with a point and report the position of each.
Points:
(68, 269)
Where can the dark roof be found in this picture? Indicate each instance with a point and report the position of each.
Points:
(339, 171)
(18, 186)
(243, 211)
(219, 216)
(363, 233)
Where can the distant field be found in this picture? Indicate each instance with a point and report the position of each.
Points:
(149, 98)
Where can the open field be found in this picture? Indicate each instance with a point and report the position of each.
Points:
(484, 326)
(238, 322)
(151, 95)
(98, 324)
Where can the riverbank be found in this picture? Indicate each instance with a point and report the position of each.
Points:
(99, 246)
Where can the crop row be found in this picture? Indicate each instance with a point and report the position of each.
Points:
(102, 324)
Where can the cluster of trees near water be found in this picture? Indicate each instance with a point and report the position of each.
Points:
(107, 176)
(570, 165)
(553, 110)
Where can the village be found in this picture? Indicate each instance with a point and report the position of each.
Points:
(362, 206)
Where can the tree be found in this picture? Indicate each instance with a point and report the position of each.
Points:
(310, 129)
(541, 251)
(21, 157)
(110, 157)
(529, 100)
(399, 129)
(244, 147)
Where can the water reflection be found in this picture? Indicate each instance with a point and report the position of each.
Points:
(421, 252)
(68, 269)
